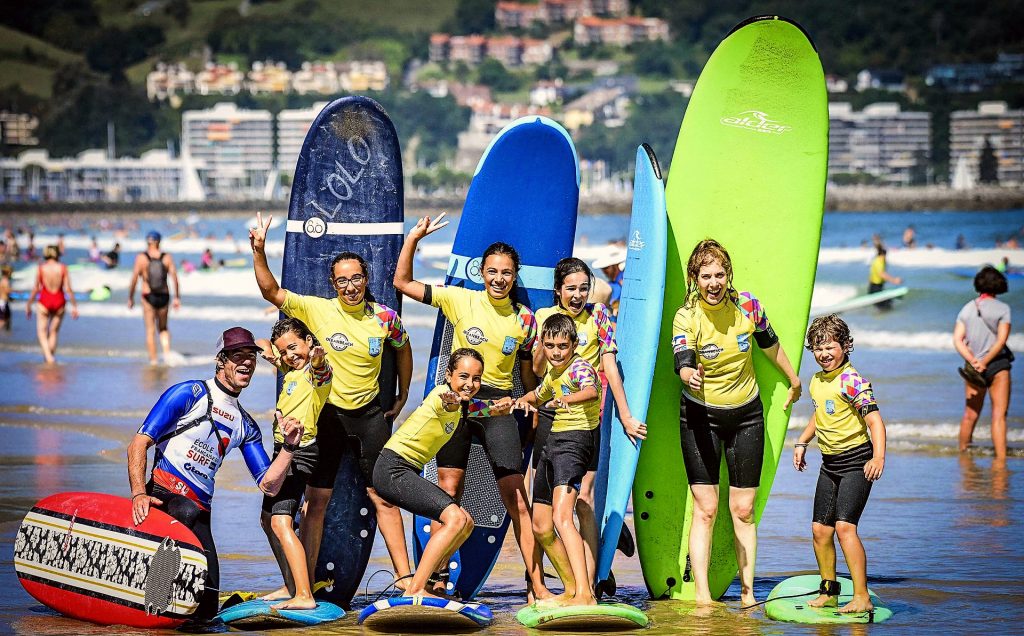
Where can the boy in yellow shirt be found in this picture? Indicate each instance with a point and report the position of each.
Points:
(306, 386)
(572, 388)
(844, 411)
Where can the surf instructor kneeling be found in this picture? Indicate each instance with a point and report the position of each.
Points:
(193, 426)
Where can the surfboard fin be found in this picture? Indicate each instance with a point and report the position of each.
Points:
(626, 544)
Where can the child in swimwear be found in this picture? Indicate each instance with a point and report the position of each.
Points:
(572, 388)
(851, 460)
(304, 391)
(5, 297)
(396, 475)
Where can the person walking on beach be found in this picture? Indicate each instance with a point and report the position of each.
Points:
(721, 408)
(980, 334)
(356, 329)
(193, 426)
(155, 268)
(53, 289)
(844, 411)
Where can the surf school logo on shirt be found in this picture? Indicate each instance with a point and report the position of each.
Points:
(449, 427)
(375, 345)
(291, 387)
(710, 351)
(582, 335)
(509, 345)
(743, 340)
(830, 407)
(339, 341)
(756, 121)
(475, 336)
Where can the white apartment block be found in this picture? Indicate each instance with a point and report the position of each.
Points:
(292, 126)
(1004, 129)
(91, 176)
(235, 146)
(881, 141)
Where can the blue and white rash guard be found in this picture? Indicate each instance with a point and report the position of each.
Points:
(195, 424)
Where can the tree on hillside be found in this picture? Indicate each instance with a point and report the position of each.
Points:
(494, 74)
(988, 164)
(114, 50)
(472, 16)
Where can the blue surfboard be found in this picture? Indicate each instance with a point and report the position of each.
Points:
(636, 333)
(260, 614)
(525, 192)
(347, 195)
(424, 614)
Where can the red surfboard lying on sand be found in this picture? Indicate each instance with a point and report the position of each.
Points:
(80, 554)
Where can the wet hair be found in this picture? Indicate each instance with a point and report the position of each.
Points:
(292, 325)
(827, 329)
(881, 250)
(352, 256)
(559, 325)
(990, 280)
(704, 253)
(504, 249)
(463, 352)
(51, 252)
(565, 268)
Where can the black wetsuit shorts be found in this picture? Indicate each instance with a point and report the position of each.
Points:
(286, 501)
(706, 431)
(365, 427)
(398, 481)
(842, 489)
(498, 435)
(545, 418)
(564, 460)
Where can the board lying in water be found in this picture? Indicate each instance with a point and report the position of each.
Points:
(864, 300)
(424, 614)
(803, 588)
(260, 614)
(578, 618)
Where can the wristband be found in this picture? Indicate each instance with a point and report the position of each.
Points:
(801, 445)
(141, 494)
(291, 448)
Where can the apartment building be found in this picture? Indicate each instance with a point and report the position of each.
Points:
(882, 141)
(235, 146)
(998, 125)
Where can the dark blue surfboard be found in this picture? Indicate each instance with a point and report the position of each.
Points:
(525, 192)
(347, 195)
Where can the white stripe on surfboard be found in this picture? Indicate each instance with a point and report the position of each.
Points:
(530, 276)
(344, 229)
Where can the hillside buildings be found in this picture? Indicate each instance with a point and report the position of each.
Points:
(993, 123)
(521, 15)
(889, 145)
(18, 129)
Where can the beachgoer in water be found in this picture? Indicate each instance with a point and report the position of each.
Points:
(851, 460)
(878, 276)
(357, 329)
(910, 237)
(155, 268)
(721, 408)
(6, 271)
(95, 256)
(200, 421)
(206, 260)
(397, 477)
(980, 334)
(53, 289)
(112, 258)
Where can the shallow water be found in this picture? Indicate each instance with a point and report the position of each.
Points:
(942, 532)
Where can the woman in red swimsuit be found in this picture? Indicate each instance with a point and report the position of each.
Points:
(53, 288)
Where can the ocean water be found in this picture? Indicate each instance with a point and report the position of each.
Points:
(942, 531)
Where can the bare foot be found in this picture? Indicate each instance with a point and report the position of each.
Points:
(403, 583)
(425, 594)
(280, 594)
(746, 600)
(824, 600)
(297, 604)
(704, 600)
(858, 604)
(581, 600)
(536, 595)
(554, 600)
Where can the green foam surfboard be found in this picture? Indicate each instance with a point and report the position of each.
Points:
(591, 618)
(749, 170)
(788, 602)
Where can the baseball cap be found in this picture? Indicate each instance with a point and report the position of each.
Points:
(236, 338)
(153, 235)
(614, 256)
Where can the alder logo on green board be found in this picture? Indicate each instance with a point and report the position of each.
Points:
(756, 121)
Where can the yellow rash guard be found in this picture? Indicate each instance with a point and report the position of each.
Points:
(499, 330)
(572, 378)
(430, 426)
(354, 338)
(594, 328)
(875, 272)
(718, 336)
(841, 399)
(303, 395)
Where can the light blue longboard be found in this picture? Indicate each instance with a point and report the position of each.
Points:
(636, 333)
(260, 614)
(525, 192)
(347, 195)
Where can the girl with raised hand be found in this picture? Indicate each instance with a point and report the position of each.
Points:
(396, 475)
(504, 332)
(721, 409)
(596, 344)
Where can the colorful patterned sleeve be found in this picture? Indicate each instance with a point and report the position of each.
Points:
(392, 323)
(858, 392)
(751, 307)
(529, 323)
(478, 408)
(322, 376)
(605, 329)
(582, 374)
